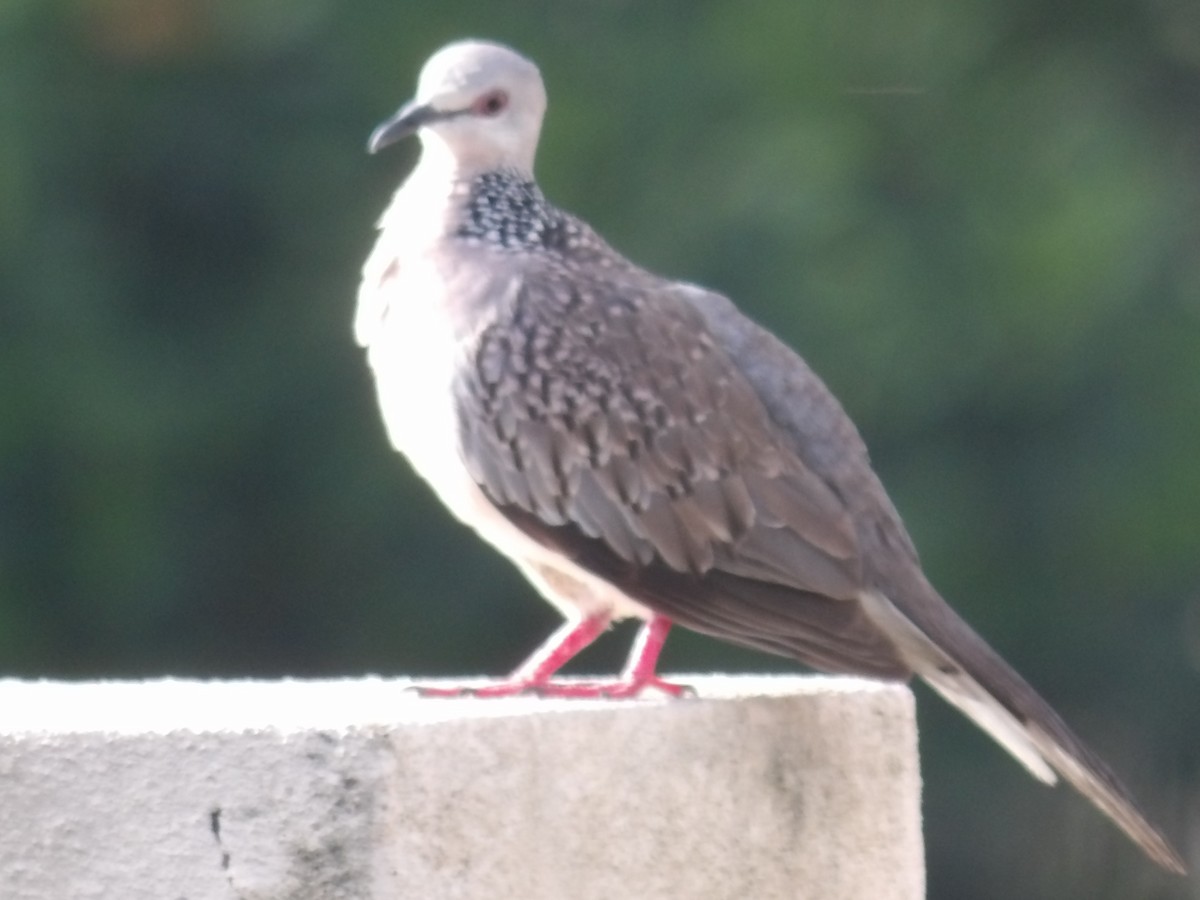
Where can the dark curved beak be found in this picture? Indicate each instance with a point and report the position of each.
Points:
(408, 120)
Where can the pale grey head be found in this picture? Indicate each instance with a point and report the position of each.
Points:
(479, 107)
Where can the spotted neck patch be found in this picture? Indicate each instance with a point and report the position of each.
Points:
(510, 211)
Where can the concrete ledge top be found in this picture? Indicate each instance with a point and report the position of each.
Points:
(770, 787)
(164, 705)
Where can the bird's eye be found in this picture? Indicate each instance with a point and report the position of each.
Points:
(491, 104)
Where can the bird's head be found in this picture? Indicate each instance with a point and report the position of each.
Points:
(479, 107)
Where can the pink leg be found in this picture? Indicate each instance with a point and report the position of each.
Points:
(535, 676)
(535, 673)
(641, 671)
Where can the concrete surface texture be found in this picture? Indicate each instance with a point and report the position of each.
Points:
(779, 787)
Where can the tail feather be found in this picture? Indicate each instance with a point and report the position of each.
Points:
(962, 692)
(960, 666)
(1089, 775)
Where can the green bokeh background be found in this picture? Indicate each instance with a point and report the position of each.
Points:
(979, 221)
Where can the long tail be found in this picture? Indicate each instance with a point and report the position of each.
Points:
(960, 666)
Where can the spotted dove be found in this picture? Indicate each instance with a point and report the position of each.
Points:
(639, 448)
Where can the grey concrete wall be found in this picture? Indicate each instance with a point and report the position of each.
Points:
(759, 788)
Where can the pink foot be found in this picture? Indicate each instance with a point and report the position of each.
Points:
(536, 676)
(612, 690)
(622, 689)
(595, 690)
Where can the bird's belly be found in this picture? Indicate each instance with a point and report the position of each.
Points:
(414, 355)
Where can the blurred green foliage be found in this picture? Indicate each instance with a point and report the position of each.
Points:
(980, 222)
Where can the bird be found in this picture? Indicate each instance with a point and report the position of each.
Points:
(639, 448)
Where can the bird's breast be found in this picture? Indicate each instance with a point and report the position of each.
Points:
(415, 347)
(413, 351)
(416, 341)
